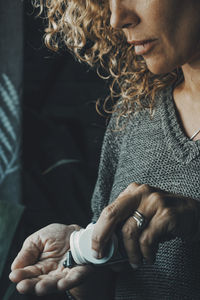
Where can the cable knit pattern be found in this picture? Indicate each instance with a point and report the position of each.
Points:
(156, 152)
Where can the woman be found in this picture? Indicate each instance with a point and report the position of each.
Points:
(149, 171)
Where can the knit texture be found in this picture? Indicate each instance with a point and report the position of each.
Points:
(156, 152)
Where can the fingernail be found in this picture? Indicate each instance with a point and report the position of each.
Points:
(134, 266)
(95, 254)
(100, 255)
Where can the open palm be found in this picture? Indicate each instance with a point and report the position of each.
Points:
(38, 267)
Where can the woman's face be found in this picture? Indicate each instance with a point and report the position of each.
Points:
(173, 25)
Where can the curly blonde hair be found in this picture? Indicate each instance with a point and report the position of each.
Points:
(84, 27)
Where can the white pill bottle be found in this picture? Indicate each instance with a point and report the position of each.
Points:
(81, 248)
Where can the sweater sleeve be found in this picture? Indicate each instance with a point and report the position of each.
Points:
(107, 167)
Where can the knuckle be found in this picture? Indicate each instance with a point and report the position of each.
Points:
(127, 230)
(145, 188)
(42, 286)
(132, 187)
(28, 242)
(172, 214)
(109, 212)
(168, 213)
(97, 239)
(145, 241)
(156, 198)
(169, 216)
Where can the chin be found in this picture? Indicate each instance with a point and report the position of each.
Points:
(158, 67)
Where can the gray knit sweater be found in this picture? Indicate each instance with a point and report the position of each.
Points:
(156, 152)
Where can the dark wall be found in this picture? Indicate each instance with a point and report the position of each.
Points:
(62, 130)
(61, 136)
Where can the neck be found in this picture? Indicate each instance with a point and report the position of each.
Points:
(191, 83)
(187, 98)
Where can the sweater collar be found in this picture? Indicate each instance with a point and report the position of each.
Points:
(183, 149)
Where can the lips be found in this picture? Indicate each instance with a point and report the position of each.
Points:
(134, 42)
(142, 47)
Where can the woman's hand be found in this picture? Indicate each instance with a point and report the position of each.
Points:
(38, 268)
(166, 216)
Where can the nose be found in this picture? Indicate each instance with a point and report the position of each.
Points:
(122, 16)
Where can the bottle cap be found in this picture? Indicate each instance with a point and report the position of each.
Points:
(81, 247)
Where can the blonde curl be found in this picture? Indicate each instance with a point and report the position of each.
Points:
(83, 26)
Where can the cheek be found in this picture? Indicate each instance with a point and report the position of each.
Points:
(165, 58)
(178, 44)
(170, 53)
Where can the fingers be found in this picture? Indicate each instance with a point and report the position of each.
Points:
(131, 235)
(29, 253)
(48, 284)
(142, 243)
(152, 235)
(32, 271)
(114, 214)
(139, 245)
(39, 286)
(74, 277)
(54, 282)
(27, 286)
(21, 274)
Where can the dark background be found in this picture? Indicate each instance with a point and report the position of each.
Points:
(60, 123)
(61, 136)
